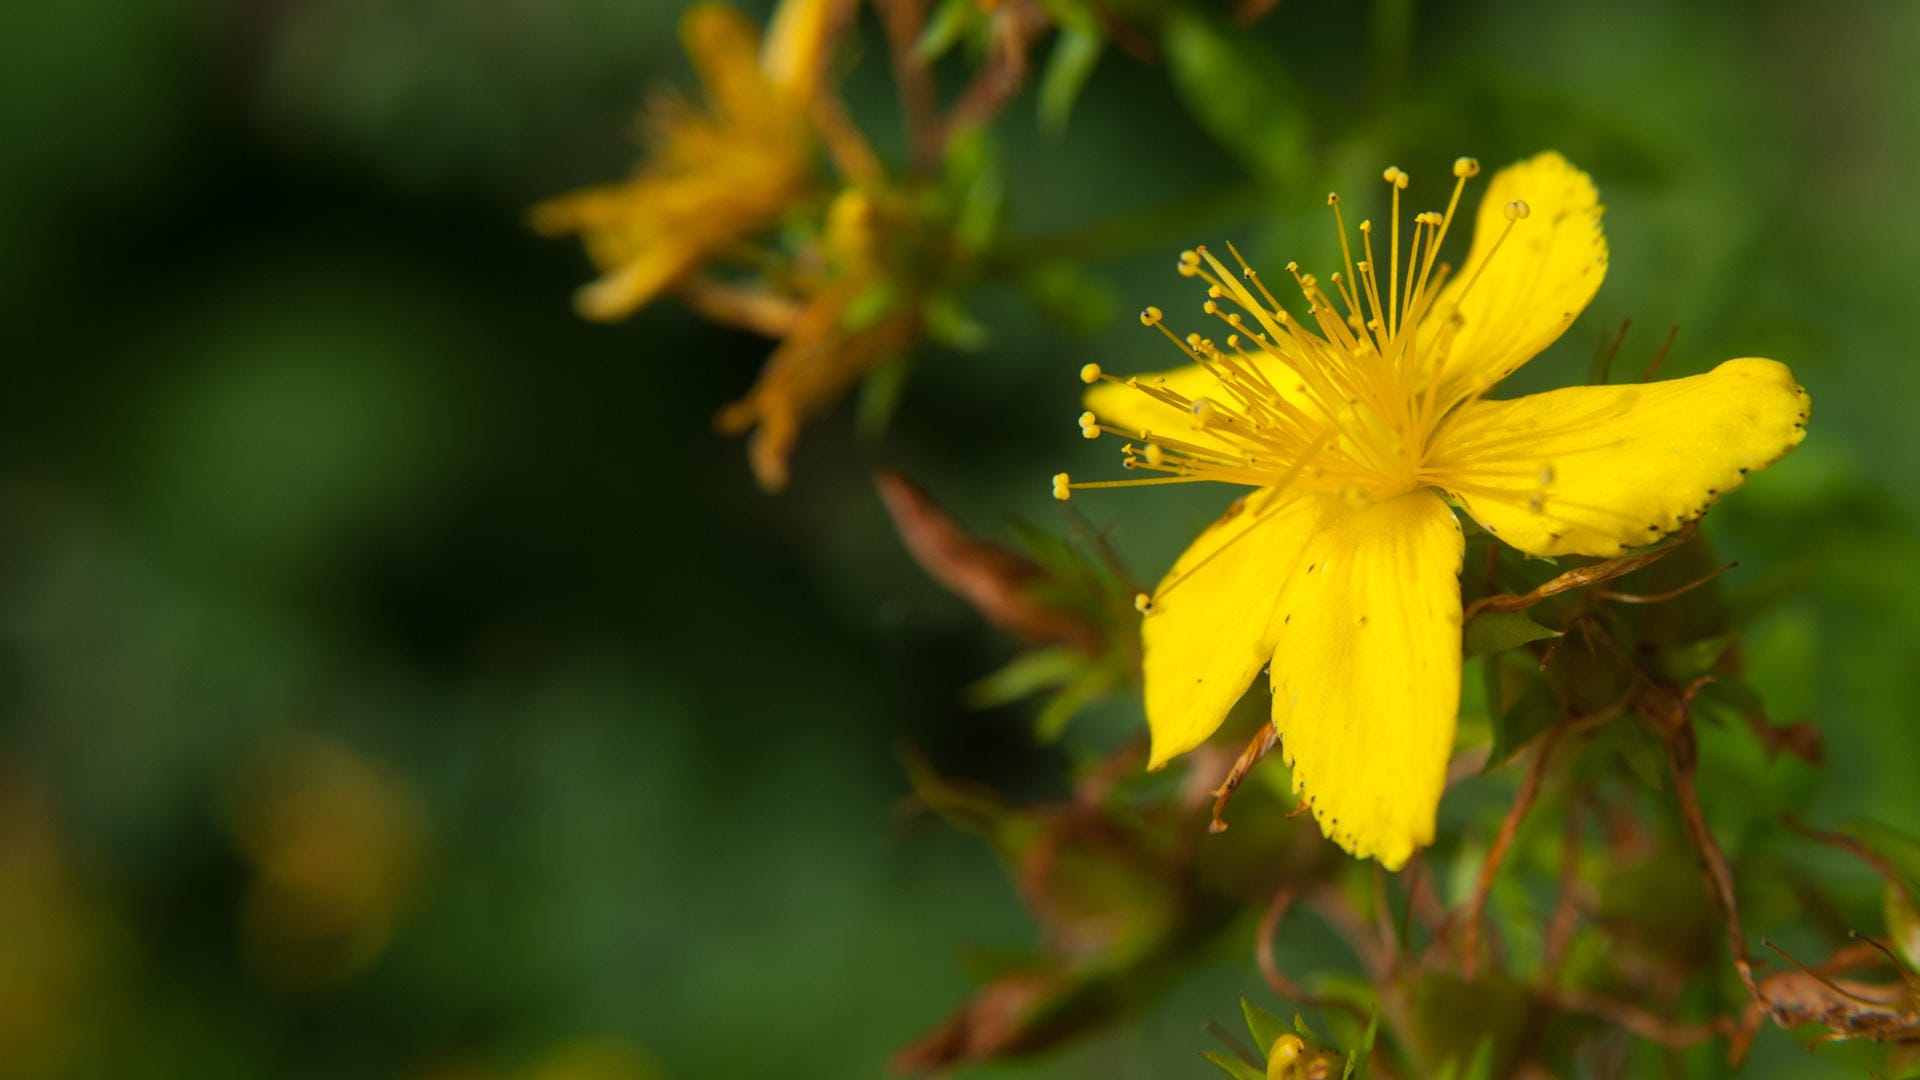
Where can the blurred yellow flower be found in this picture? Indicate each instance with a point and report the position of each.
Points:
(1356, 428)
(715, 176)
(338, 846)
(850, 316)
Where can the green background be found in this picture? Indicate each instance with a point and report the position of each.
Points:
(303, 441)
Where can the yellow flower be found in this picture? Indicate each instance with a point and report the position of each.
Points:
(1357, 428)
(715, 177)
(829, 342)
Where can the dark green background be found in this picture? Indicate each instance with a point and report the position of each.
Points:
(301, 435)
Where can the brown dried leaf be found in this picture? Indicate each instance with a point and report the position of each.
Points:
(994, 580)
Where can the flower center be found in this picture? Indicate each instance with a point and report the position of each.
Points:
(1343, 402)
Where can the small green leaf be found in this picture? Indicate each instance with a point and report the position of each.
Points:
(1498, 631)
(1480, 1066)
(1238, 90)
(1070, 296)
(1067, 703)
(1899, 849)
(942, 32)
(1360, 1057)
(1520, 723)
(1903, 923)
(1304, 1030)
(1028, 673)
(1071, 62)
(1265, 1027)
(951, 325)
(1234, 1067)
(1684, 663)
(880, 394)
(873, 304)
(974, 180)
(1639, 748)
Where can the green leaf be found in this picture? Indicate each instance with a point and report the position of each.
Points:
(1498, 631)
(1234, 1067)
(1480, 1066)
(951, 325)
(974, 180)
(1520, 723)
(873, 304)
(1070, 296)
(1075, 54)
(1265, 1027)
(1028, 673)
(1640, 748)
(1360, 1057)
(1684, 663)
(1902, 923)
(1238, 90)
(1898, 848)
(942, 32)
(880, 394)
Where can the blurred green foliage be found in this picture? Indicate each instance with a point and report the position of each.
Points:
(306, 449)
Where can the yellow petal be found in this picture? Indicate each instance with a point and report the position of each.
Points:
(1540, 278)
(724, 47)
(1596, 470)
(795, 51)
(632, 285)
(1366, 671)
(1215, 617)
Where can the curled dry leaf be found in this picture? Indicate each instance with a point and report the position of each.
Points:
(994, 580)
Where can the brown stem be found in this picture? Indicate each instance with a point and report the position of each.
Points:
(1661, 598)
(1566, 911)
(904, 21)
(1637, 1020)
(1277, 980)
(1509, 828)
(1579, 576)
(1683, 757)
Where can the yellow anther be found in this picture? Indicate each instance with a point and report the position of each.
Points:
(1203, 412)
(1155, 455)
(1333, 198)
(1392, 174)
(1189, 263)
(1465, 167)
(1090, 374)
(1060, 490)
(1367, 225)
(1215, 292)
(1143, 603)
(1193, 341)
(1089, 431)
(1151, 317)
(1087, 419)
(1293, 267)
(1210, 308)
(1517, 209)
